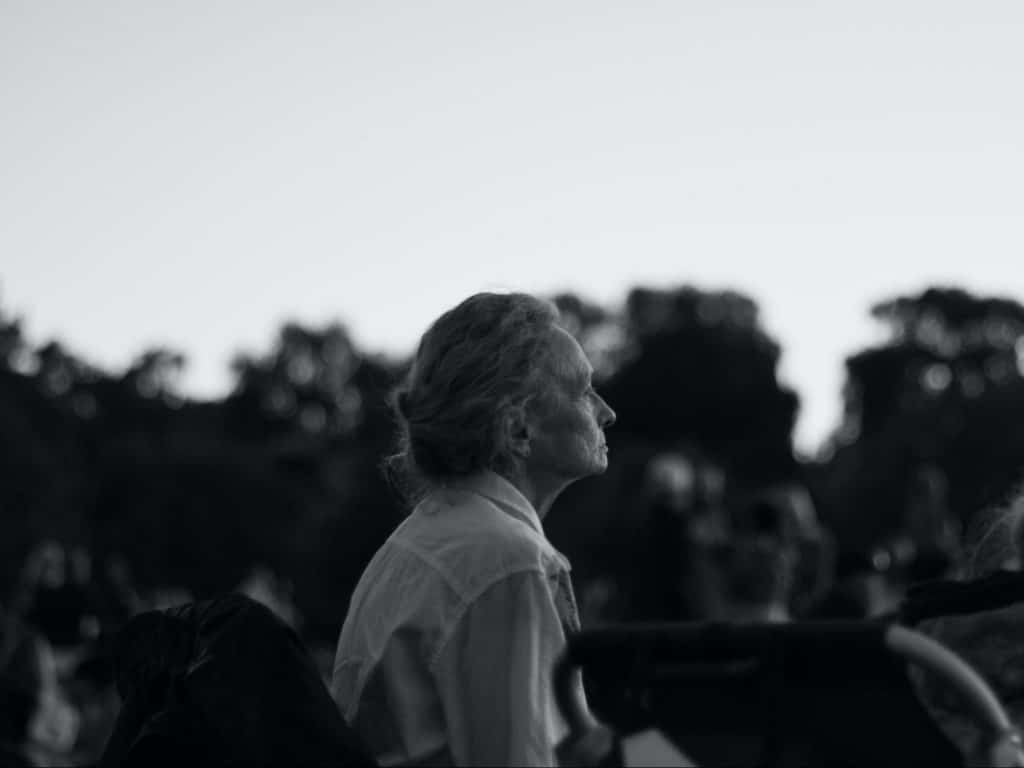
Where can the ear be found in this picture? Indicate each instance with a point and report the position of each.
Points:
(516, 431)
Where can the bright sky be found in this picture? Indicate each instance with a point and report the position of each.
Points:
(193, 173)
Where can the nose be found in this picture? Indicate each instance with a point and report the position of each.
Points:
(606, 417)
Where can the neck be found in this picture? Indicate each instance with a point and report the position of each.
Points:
(539, 491)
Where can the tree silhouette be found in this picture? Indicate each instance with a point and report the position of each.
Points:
(304, 381)
(703, 371)
(946, 391)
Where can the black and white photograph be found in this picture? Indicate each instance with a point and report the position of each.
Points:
(547, 383)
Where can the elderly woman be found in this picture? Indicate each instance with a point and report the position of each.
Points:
(447, 651)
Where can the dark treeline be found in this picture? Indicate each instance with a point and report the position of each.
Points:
(284, 471)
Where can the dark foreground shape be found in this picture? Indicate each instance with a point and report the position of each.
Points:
(806, 693)
(222, 682)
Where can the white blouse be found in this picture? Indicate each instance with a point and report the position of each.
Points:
(452, 633)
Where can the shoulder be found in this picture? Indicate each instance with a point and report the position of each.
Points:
(475, 543)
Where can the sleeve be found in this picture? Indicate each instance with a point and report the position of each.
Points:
(494, 676)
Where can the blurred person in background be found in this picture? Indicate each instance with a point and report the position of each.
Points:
(56, 597)
(452, 633)
(221, 682)
(44, 571)
(672, 572)
(935, 533)
(38, 725)
(927, 546)
(758, 563)
(813, 544)
(91, 691)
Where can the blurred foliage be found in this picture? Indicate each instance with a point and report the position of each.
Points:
(944, 393)
(282, 472)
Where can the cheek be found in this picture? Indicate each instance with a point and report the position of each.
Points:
(585, 430)
(577, 422)
(571, 427)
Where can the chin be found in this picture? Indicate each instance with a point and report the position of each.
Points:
(585, 466)
(583, 472)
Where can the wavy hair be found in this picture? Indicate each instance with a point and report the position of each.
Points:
(472, 364)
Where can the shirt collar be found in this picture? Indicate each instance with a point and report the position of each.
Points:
(493, 486)
(508, 499)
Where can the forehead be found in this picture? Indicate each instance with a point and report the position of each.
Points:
(565, 359)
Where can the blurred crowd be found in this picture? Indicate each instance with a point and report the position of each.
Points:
(697, 554)
(58, 694)
(701, 554)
